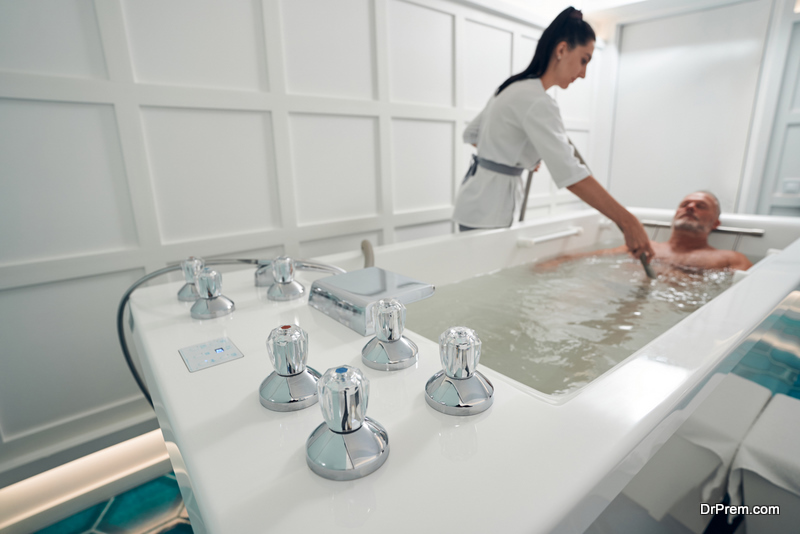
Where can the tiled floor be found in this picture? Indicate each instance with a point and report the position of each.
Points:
(155, 507)
(772, 358)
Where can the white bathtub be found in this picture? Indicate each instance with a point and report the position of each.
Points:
(525, 465)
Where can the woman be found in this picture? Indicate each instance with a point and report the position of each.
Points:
(521, 125)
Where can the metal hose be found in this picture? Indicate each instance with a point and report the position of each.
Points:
(124, 301)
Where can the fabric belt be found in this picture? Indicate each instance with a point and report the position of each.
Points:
(492, 166)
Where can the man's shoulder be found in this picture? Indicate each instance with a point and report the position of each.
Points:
(735, 260)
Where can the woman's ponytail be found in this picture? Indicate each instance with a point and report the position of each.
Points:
(568, 26)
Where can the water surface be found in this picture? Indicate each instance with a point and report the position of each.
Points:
(558, 328)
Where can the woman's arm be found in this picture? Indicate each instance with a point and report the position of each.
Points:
(590, 191)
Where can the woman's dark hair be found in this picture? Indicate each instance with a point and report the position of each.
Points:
(568, 26)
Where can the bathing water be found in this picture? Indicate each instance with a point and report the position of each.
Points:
(557, 329)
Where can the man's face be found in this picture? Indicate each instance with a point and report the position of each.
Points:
(696, 213)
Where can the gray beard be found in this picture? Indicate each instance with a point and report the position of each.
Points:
(689, 225)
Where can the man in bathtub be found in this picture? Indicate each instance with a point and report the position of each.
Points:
(697, 215)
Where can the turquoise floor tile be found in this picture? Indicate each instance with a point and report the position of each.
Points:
(80, 522)
(143, 508)
(177, 528)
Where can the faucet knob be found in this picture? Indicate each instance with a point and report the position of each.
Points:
(284, 286)
(459, 389)
(389, 317)
(191, 267)
(389, 350)
(287, 346)
(460, 352)
(292, 385)
(348, 445)
(211, 303)
(283, 269)
(209, 283)
(343, 395)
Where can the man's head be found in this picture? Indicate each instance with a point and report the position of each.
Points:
(698, 212)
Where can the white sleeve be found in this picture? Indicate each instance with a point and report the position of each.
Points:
(546, 131)
(473, 129)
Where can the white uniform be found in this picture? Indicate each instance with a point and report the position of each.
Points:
(518, 127)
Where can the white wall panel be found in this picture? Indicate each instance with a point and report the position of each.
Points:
(258, 253)
(61, 357)
(329, 47)
(421, 231)
(63, 190)
(779, 193)
(422, 164)
(575, 102)
(488, 62)
(342, 243)
(334, 159)
(795, 106)
(53, 37)
(212, 171)
(420, 54)
(524, 49)
(205, 44)
(789, 167)
(685, 97)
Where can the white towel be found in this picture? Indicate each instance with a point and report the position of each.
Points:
(721, 422)
(702, 448)
(771, 449)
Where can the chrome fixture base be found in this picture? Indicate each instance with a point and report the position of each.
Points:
(389, 355)
(459, 396)
(188, 293)
(289, 393)
(264, 276)
(286, 290)
(213, 307)
(350, 455)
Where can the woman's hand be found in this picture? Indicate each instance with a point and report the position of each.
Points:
(636, 239)
(590, 191)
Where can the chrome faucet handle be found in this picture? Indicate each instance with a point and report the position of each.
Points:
(389, 317)
(292, 385)
(459, 351)
(279, 276)
(459, 389)
(344, 395)
(209, 283)
(389, 350)
(190, 267)
(288, 349)
(263, 275)
(283, 269)
(211, 303)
